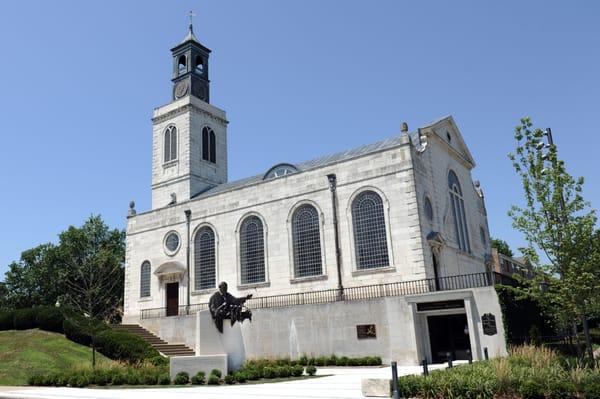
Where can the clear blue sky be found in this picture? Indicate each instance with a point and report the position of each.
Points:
(298, 79)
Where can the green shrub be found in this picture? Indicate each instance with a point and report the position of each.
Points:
(132, 377)
(164, 379)
(591, 386)
(24, 319)
(49, 318)
(229, 379)
(118, 378)
(100, 377)
(213, 380)
(373, 361)
(253, 374)
(311, 370)
(121, 345)
(284, 371)
(341, 361)
(199, 378)
(331, 361)
(320, 361)
(159, 361)
(182, 378)
(303, 360)
(74, 332)
(269, 372)
(297, 370)
(216, 372)
(240, 376)
(6, 320)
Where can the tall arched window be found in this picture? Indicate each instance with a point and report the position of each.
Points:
(306, 238)
(252, 251)
(370, 238)
(204, 259)
(209, 145)
(458, 212)
(145, 280)
(170, 144)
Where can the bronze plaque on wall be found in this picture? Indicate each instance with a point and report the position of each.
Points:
(365, 331)
(488, 322)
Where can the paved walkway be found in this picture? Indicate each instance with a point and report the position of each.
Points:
(338, 383)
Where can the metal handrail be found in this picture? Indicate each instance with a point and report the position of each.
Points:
(401, 288)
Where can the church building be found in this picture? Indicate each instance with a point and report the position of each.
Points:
(381, 250)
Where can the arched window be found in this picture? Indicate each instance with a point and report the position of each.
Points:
(428, 209)
(170, 144)
(209, 145)
(181, 65)
(252, 251)
(204, 259)
(458, 211)
(145, 280)
(306, 238)
(370, 238)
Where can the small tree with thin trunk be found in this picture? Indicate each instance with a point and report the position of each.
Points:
(94, 255)
(558, 221)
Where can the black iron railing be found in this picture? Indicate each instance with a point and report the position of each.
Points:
(401, 288)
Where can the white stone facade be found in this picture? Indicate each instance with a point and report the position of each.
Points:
(408, 172)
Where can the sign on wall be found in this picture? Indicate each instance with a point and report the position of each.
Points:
(488, 321)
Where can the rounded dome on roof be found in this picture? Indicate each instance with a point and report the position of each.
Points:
(279, 170)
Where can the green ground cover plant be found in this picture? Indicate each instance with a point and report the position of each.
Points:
(23, 353)
(528, 372)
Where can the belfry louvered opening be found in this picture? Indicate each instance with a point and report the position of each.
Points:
(252, 251)
(370, 238)
(204, 259)
(306, 237)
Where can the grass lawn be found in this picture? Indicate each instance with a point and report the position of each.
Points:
(25, 352)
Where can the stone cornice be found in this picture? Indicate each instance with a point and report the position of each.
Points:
(187, 108)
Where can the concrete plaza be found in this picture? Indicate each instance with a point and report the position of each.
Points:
(337, 383)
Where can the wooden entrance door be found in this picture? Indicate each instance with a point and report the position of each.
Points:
(172, 299)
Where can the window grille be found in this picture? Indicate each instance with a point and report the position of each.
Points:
(252, 251)
(145, 280)
(370, 239)
(458, 212)
(209, 145)
(170, 144)
(306, 237)
(204, 259)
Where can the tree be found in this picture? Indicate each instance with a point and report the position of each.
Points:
(94, 255)
(557, 220)
(502, 247)
(36, 279)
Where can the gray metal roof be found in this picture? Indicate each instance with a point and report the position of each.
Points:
(308, 165)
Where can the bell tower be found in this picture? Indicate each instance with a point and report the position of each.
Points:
(190, 68)
(189, 139)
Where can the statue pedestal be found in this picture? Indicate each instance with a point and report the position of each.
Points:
(209, 341)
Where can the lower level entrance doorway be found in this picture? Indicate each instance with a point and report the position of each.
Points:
(172, 299)
(448, 334)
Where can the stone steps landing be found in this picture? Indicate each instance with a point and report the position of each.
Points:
(156, 342)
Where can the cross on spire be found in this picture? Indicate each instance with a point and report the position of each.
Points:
(191, 15)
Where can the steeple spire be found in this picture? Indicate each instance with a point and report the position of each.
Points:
(190, 35)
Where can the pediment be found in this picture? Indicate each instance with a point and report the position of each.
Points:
(171, 269)
(446, 131)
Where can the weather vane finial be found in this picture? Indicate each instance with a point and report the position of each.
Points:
(191, 14)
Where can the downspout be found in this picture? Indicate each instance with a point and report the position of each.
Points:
(338, 254)
(188, 219)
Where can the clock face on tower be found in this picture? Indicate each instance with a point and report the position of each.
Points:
(181, 89)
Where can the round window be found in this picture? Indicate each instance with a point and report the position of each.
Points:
(172, 242)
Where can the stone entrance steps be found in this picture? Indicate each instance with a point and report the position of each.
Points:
(157, 343)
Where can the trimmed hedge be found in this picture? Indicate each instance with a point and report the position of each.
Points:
(121, 345)
(24, 319)
(49, 318)
(6, 320)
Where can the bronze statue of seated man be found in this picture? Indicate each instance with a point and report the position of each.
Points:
(223, 305)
